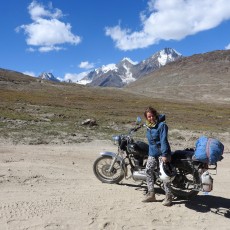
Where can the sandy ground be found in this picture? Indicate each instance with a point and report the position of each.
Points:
(53, 187)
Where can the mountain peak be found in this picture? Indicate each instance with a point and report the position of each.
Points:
(166, 55)
(170, 51)
(48, 76)
(126, 59)
(106, 68)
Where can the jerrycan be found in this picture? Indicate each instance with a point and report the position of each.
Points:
(207, 182)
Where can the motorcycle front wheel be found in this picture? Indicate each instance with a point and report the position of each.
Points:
(101, 170)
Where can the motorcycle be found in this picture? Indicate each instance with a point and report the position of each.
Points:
(189, 179)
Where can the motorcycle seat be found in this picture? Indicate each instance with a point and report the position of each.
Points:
(183, 154)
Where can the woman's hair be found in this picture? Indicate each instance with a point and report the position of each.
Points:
(152, 111)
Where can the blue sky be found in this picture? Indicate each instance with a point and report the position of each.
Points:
(69, 38)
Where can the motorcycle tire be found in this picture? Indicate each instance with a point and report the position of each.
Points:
(100, 169)
(183, 184)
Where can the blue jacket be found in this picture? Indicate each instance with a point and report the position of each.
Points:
(158, 138)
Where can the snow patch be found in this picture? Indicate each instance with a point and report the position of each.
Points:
(128, 76)
(106, 68)
(129, 60)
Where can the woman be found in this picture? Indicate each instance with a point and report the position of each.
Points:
(157, 135)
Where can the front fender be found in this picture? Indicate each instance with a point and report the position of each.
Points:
(112, 154)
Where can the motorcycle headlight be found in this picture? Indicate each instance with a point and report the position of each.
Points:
(116, 140)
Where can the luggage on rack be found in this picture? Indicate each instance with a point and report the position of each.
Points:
(208, 150)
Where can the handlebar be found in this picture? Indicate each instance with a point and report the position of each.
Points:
(135, 129)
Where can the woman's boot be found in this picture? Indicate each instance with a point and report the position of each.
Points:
(150, 197)
(168, 200)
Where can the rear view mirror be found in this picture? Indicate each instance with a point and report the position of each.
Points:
(138, 121)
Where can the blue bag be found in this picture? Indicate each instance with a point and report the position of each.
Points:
(208, 150)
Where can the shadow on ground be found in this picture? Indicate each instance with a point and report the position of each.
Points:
(142, 187)
(214, 204)
(203, 203)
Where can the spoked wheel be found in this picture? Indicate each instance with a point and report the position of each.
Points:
(183, 184)
(101, 170)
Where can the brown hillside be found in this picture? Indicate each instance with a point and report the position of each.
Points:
(36, 111)
(201, 77)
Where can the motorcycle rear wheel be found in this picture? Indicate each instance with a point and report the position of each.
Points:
(183, 184)
(100, 169)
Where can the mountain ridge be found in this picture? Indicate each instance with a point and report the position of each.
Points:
(127, 71)
(200, 77)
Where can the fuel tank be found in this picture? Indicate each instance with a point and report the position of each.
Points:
(138, 148)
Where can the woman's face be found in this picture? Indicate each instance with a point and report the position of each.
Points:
(150, 117)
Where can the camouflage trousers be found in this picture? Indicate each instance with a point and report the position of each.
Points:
(150, 166)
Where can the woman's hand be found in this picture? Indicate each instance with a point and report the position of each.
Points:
(166, 159)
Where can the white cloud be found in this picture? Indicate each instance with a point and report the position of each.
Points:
(86, 65)
(31, 49)
(74, 77)
(46, 31)
(44, 49)
(171, 20)
(38, 11)
(32, 74)
(227, 47)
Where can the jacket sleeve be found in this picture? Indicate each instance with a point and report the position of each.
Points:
(165, 147)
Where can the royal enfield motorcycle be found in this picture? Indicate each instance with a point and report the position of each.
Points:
(188, 179)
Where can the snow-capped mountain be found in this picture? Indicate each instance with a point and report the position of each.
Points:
(48, 76)
(126, 71)
(156, 61)
(97, 73)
